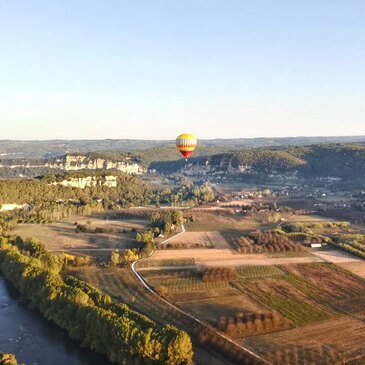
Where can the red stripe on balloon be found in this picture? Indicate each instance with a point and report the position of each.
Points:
(186, 153)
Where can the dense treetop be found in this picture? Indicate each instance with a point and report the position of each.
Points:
(123, 335)
(337, 160)
(32, 191)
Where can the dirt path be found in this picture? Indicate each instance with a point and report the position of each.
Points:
(337, 256)
(177, 267)
(223, 257)
(265, 261)
(250, 354)
(357, 268)
(76, 249)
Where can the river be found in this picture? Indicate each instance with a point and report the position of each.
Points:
(33, 340)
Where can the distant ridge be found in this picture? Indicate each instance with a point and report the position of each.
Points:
(40, 149)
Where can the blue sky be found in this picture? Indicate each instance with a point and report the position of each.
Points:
(153, 68)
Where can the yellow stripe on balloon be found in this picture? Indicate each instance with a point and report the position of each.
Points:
(186, 148)
(186, 143)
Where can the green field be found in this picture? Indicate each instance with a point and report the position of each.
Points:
(249, 272)
(176, 285)
(212, 309)
(222, 222)
(300, 310)
(62, 235)
(160, 263)
(277, 255)
(122, 285)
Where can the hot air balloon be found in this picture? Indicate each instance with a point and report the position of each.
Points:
(186, 144)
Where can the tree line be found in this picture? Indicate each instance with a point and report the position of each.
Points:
(352, 243)
(249, 323)
(185, 193)
(45, 202)
(216, 274)
(270, 241)
(89, 316)
(163, 222)
(129, 189)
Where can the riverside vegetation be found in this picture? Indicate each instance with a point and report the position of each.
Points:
(123, 335)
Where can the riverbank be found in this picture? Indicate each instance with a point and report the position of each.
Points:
(25, 333)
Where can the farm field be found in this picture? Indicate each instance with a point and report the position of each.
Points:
(238, 232)
(220, 221)
(274, 295)
(61, 236)
(212, 309)
(278, 294)
(277, 255)
(336, 256)
(308, 218)
(254, 261)
(257, 288)
(208, 301)
(184, 284)
(332, 342)
(251, 272)
(244, 272)
(301, 295)
(356, 267)
(211, 239)
(322, 225)
(170, 263)
(122, 285)
(224, 257)
(332, 285)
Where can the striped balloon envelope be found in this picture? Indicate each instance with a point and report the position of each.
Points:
(186, 144)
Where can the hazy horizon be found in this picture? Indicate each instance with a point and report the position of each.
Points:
(173, 138)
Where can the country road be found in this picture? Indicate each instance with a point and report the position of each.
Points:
(150, 289)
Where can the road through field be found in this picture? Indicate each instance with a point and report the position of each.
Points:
(223, 257)
(337, 256)
(251, 355)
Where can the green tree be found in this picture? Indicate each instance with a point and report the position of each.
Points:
(88, 315)
(115, 257)
(129, 256)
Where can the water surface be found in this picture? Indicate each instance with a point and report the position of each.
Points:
(34, 341)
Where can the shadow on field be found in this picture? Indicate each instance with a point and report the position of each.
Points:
(92, 240)
(296, 354)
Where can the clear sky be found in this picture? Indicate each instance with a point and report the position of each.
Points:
(155, 68)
